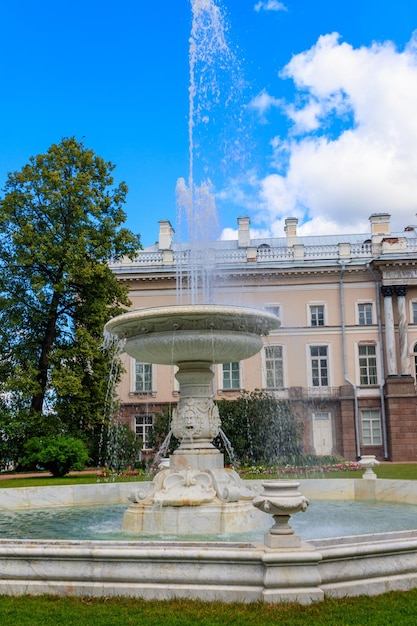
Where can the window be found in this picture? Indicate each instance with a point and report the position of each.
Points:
(274, 309)
(371, 427)
(414, 312)
(319, 366)
(143, 377)
(321, 416)
(365, 314)
(415, 360)
(367, 365)
(143, 424)
(274, 367)
(231, 375)
(317, 315)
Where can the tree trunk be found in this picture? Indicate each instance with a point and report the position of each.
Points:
(43, 363)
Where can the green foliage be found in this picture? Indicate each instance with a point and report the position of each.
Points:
(120, 447)
(261, 428)
(59, 455)
(160, 429)
(60, 224)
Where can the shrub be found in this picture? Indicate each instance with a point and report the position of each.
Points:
(59, 454)
(121, 447)
(261, 428)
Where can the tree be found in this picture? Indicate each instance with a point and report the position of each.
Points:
(123, 447)
(261, 428)
(256, 427)
(60, 223)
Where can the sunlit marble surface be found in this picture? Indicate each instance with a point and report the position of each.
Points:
(316, 488)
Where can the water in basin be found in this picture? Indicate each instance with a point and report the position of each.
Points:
(324, 518)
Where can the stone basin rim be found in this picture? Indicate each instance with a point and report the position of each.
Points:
(257, 321)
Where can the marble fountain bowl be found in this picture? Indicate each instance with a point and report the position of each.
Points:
(173, 334)
(196, 493)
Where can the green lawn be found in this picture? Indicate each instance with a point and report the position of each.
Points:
(389, 609)
(73, 479)
(399, 471)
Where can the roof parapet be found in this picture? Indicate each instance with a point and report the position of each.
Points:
(166, 235)
(243, 232)
(291, 230)
(380, 224)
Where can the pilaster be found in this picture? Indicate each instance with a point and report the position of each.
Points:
(401, 412)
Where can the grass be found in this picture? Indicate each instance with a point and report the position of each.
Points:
(72, 479)
(395, 608)
(397, 471)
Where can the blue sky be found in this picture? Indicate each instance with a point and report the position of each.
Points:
(320, 121)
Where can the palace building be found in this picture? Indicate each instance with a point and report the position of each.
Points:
(345, 354)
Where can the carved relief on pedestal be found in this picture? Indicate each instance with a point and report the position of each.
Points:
(195, 418)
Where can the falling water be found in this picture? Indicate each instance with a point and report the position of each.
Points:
(214, 82)
(108, 451)
(162, 452)
(228, 447)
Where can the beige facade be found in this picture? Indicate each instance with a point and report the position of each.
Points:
(346, 351)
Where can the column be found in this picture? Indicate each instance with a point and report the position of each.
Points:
(387, 292)
(401, 290)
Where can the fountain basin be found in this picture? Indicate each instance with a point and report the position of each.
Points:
(213, 333)
(229, 571)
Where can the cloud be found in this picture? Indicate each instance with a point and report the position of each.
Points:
(270, 5)
(263, 103)
(351, 145)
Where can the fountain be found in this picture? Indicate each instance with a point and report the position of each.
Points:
(196, 493)
(194, 338)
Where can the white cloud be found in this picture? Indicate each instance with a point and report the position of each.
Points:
(351, 149)
(229, 234)
(263, 103)
(270, 5)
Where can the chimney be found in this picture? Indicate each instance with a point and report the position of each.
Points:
(166, 235)
(243, 232)
(380, 224)
(291, 230)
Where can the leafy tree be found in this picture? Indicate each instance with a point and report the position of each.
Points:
(59, 455)
(261, 428)
(60, 223)
(159, 431)
(119, 448)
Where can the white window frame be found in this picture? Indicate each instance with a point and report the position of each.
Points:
(316, 305)
(310, 364)
(145, 427)
(413, 311)
(327, 414)
(414, 355)
(133, 391)
(358, 315)
(373, 416)
(276, 309)
(265, 368)
(221, 377)
(362, 384)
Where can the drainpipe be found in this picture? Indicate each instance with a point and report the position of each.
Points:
(381, 351)
(345, 375)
